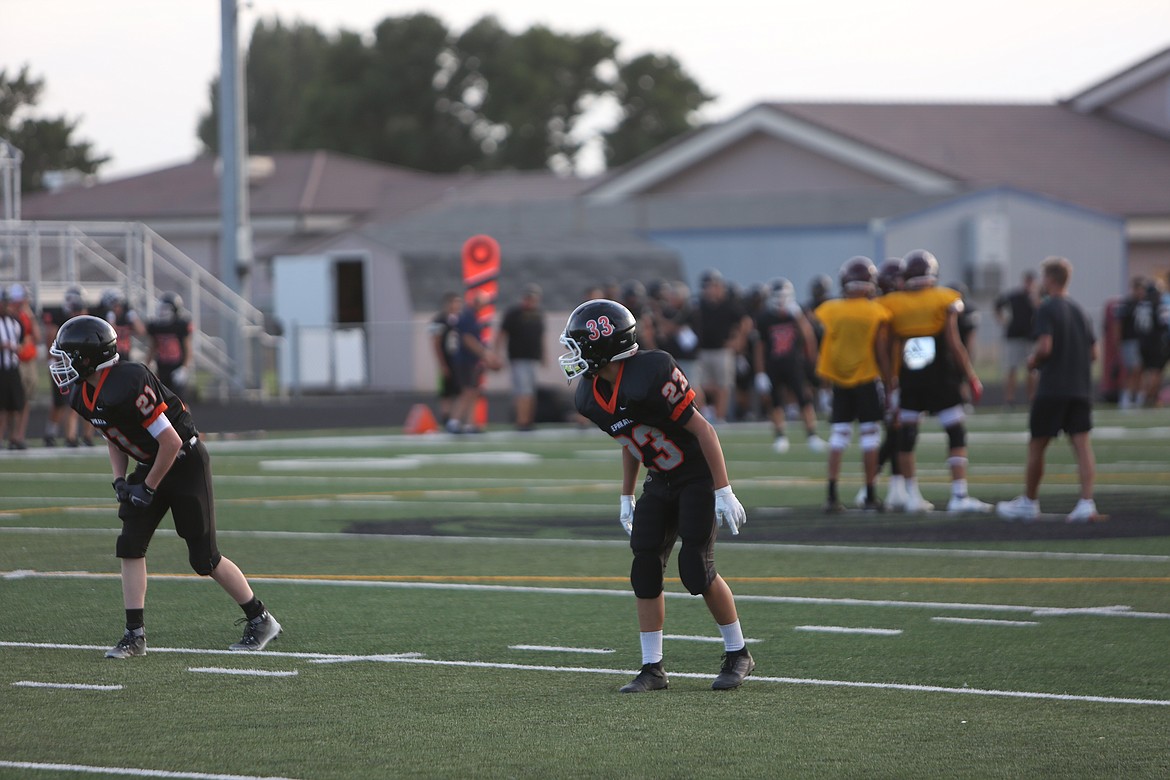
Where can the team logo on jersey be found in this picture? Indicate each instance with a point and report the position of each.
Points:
(918, 352)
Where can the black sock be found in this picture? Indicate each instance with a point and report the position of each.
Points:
(253, 609)
(870, 493)
(134, 619)
(833, 490)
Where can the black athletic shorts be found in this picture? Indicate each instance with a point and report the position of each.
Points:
(185, 491)
(862, 403)
(1049, 416)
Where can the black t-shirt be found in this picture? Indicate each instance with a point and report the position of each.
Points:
(1066, 371)
(646, 410)
(128, 399)
(524, 327)
(1021, 313)
(443, 327)
(717, 319)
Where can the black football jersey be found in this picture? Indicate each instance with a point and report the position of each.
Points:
(128, 399)
(646, 410)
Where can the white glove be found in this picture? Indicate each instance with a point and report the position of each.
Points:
(687, 338)
(626, 518)
(728, 510)
(180, 376)
(763, 383)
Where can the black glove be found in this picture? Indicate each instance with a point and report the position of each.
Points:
(140, 494)
(121, 490)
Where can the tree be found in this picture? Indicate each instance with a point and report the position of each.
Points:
(658, 101)
(415, 94)
(47, 143)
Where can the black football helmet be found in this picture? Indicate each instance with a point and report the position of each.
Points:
(84, 345)
(858, 273)
(820, 288)
(889, 276)
(599, 332)
(920, 269)
(781, 295)
(170, 307)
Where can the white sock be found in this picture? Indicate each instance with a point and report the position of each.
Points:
(651, 646)
(732, 637)
(958, 488)
(897, 480)
(911, 486)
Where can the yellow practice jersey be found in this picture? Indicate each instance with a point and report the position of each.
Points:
(920, 312)
(851, 325)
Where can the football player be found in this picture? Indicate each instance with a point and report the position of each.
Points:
(643, 400)
(141, 418)
(786, 342)
(925, 339)
(854, 356)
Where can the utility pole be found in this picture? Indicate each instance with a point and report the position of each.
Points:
(235, 236)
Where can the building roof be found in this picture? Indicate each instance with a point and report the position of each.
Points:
(1049, 149)
(289, 184)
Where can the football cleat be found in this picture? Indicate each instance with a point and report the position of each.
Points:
(737, 664)
(780, 445)
(896, 495)
(258, 632)
(961, 504)
(816, 443)
(859, 499)
(915, 503)
(874, 506)
(651, 678)
(130, 645)
(833, 507)
(1084, 512)
(1019, 508)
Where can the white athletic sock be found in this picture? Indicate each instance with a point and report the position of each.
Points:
(732, 637)
(651, 647)
(958, 488)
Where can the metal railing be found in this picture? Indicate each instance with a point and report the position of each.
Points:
(231, 344)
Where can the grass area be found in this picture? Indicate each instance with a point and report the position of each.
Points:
(1005, 656)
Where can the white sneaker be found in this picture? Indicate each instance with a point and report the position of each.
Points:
(1019, 508)
(1084, 512)
(959, 504)
(859, 501)
(916, 504)
(816, 443)
(896, 495)
(780, 446)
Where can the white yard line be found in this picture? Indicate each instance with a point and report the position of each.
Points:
(938, 606)
(828, 549)
(557, 649)
(984, 621)
(67, 686)
(123, 771)
(848, 630)
(694, 638)
(408, 658)
(242, 672)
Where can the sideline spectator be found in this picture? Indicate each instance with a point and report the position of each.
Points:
(1015, 311)
(12, 399)
(723, 326)
(29, 365)
(1151, 320)
(1064, 352)
(522, 334)
(445, 343)
(471, 360)
(1132, 394)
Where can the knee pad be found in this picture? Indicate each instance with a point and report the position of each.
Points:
(646, 574)
(870, 437)
(696, 570)
(202, 555)
(907, 436)
(956, 436)
(840, 435)
(129, 546)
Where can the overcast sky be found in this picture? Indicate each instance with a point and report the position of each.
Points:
(136, 72)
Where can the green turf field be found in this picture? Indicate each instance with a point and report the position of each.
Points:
(458, 607)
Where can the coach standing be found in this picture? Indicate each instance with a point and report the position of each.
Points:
(1064, 353)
